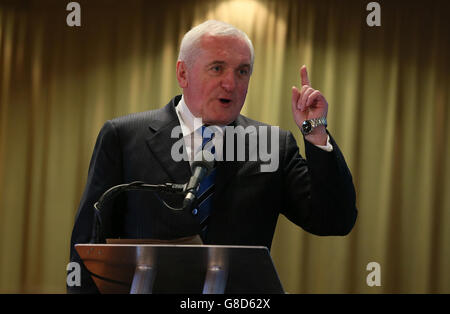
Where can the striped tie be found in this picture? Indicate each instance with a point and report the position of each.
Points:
(206, 189)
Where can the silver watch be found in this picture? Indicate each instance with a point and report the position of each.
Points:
(309, 125)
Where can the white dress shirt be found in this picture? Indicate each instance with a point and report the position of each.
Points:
(192, 132)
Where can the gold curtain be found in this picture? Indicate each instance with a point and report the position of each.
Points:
(387, 86)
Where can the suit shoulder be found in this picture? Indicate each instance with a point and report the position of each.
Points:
(134, 119)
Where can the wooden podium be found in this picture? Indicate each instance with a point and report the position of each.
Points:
(180, 268)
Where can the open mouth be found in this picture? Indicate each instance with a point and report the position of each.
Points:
(224, 100)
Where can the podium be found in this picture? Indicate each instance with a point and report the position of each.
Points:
(182, 269)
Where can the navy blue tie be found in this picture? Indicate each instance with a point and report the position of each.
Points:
(206, 189)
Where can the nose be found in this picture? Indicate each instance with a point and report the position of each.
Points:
(228, 81)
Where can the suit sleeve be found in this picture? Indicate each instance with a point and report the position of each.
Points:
(319, 192)
(105, 171)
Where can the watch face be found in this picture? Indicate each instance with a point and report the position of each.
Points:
(306, 127)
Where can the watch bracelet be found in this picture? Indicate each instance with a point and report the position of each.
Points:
(318, 121)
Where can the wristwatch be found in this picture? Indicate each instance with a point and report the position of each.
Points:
(309, 125)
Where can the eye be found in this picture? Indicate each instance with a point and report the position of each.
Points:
(216, 68)
(243, 72)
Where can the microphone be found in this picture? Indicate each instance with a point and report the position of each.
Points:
(202, 166)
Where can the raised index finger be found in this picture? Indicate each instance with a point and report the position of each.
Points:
(304, 76)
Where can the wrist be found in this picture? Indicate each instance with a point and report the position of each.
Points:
(318, 136)
(314, 130)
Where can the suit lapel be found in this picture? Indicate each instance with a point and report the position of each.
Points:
(227, 170)
(160, 142)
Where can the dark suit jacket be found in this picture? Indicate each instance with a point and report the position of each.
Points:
(316, 194)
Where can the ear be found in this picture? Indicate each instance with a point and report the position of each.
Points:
(182, 74)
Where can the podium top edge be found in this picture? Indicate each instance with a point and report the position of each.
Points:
(171, 245)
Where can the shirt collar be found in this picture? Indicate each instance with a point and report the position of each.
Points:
(189, 123)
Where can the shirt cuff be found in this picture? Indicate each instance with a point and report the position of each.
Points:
(328, 147)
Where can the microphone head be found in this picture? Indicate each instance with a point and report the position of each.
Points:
(204, 159)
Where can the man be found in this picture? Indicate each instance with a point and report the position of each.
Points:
(214, 69)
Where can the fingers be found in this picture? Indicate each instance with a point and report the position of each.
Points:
(307, 97)
(304, 94)
(306, 101)
(313, 97)
(304, 76)
(295, 98)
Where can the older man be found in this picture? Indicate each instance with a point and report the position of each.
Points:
(214, 69)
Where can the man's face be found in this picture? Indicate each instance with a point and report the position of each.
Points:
(216, 83)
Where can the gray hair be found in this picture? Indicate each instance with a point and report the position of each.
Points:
(190, 44)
